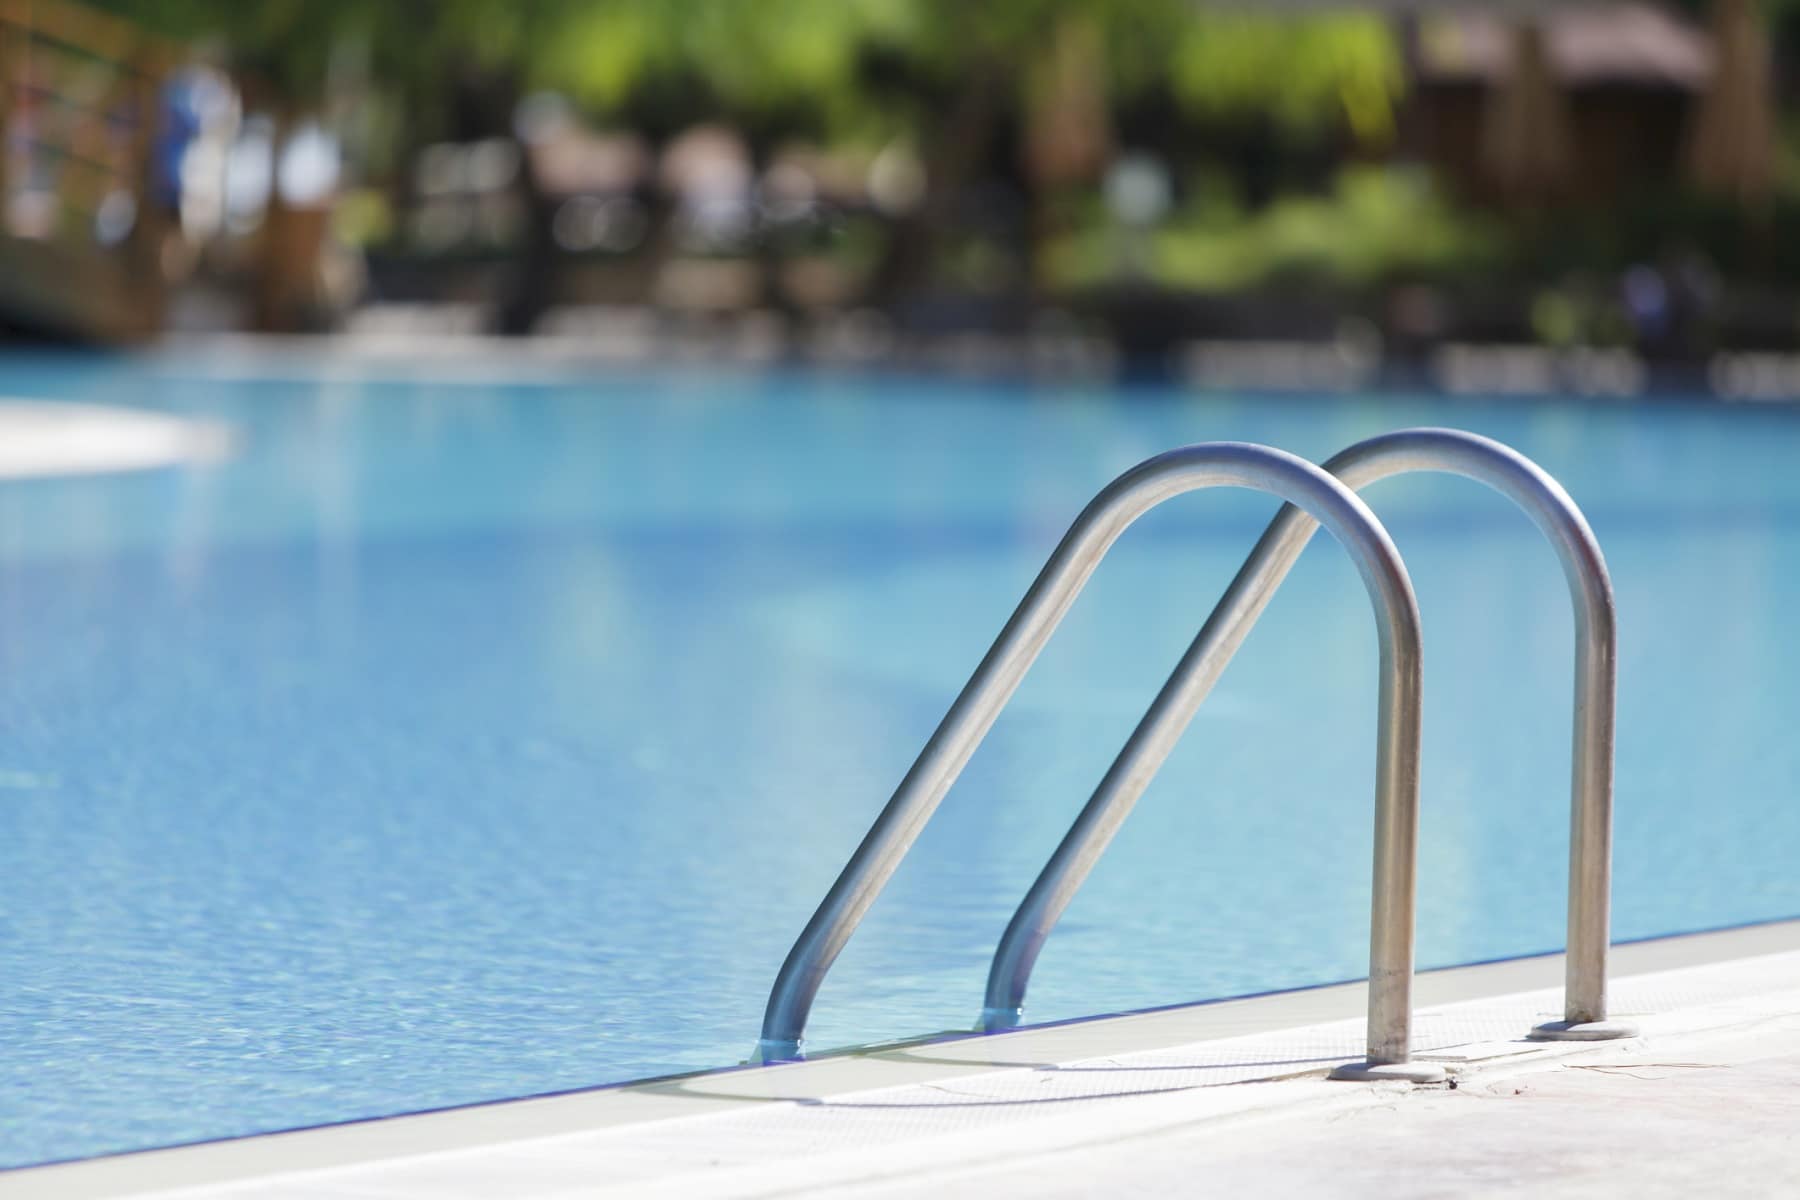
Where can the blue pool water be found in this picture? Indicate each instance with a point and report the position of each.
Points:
(463, 739)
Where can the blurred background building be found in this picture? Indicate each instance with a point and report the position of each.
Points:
(1302, 194)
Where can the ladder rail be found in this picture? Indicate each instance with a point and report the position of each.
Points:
(1327, 501)
(1590, 588)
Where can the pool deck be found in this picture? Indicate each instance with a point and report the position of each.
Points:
(42, 438)
(1703, 1101)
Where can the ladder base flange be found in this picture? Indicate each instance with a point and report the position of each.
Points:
(1400, 1072)
(1582, 1031)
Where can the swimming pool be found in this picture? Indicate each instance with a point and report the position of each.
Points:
(466, 737)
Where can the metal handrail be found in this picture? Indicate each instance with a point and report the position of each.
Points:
(1590, 842)
(1128, 497)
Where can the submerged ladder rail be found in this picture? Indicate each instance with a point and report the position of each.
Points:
(1590, 844)
(1326, 501)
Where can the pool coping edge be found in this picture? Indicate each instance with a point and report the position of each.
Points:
(924, 1060)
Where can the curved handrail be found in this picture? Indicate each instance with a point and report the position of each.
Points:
(1590, 844)
(1128, 497)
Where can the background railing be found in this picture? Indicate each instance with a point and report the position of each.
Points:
(81, 217)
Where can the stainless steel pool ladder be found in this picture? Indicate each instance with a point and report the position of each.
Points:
(1311, 501)
(1214, 464)
(1591, 793)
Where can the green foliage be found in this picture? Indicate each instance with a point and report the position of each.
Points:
(1304, 72)
(750, 55)
(1308, 72)
(807, 56)
(287, 45)
(1377, 224)
(771, 67)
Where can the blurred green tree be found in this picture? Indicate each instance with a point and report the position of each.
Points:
(1026, 89)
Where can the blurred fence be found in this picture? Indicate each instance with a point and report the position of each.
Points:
(80, 210)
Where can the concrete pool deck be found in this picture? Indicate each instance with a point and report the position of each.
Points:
(1231, 1092)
